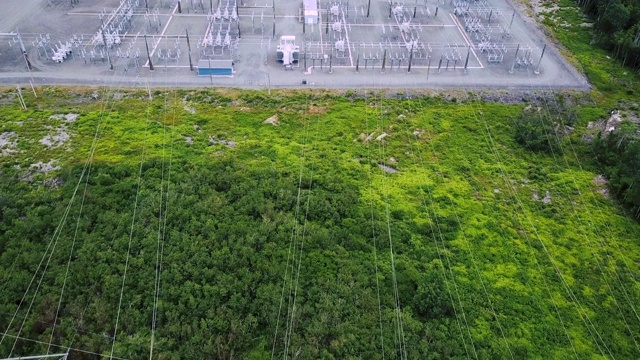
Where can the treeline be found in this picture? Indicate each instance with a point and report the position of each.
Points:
(618, 153)
(617, 27)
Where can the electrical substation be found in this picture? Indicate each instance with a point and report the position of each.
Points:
(273, 43)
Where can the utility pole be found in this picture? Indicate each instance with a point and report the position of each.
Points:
(466, 62)
(512, 16)
(268, 81)
(24, 51)
(384, 60)
(514, 60)
(106, 47)
(410, 57)
(148, 54)
(537, 70)
(189, 48)
(210, 72)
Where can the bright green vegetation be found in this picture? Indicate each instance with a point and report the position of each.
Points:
(575, 32)
(294, 233)
(612, 25)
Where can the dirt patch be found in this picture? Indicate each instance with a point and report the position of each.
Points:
(8, 142)
(388, 168)
(539, 6)
(69, 118)
(613, 122)
(607, 125)
(228, 143)
(317, 110)
(53, 183)
(600, 180)
(368, 138)
(57, 138)
(45, 167)
(272, 120)
(382, 136)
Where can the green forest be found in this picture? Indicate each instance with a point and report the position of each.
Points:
(211, 224)
(616, 27)
(237, 224)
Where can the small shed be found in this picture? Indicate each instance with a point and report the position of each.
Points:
(310, 11)
(217, 67)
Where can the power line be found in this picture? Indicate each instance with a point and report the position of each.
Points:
(61, 346)
(373, 236)
(398, 313)
(291, 244)
(304, 227)
(133, 218)
(589, 242)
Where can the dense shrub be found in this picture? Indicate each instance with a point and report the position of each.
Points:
(541, 129)
(619, 155)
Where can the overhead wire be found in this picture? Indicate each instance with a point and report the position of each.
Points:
(61, 346)
(583, 316)
(373, 228)
(475, 266)
(133, 218)
(53, 241)
(429, 205)
(292, 244)
(442, 248)
(562, 155)
(514, 194)
(166, 209)
(399, 326)
(160, 235)
(58, 230)
(87, 167)
(304, 232)
(537, 236)
(479, 275)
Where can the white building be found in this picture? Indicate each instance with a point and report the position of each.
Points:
(310, 11)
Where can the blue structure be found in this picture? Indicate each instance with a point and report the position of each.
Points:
(215, 67)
